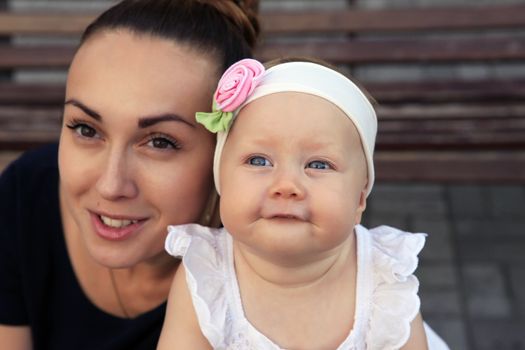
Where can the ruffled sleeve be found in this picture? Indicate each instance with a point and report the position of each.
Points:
(395, 302)
(203, 254)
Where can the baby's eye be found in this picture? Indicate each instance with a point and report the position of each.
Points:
(319, 164)
(259, 161)
(83, 130)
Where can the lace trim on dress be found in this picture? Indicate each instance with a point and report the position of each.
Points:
(395, 302)
(207, 263)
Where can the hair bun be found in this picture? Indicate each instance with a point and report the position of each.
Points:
(243, 14)
(251, 10)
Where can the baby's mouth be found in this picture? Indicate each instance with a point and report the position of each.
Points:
(285, 216)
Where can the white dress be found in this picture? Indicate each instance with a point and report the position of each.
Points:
(386, 291)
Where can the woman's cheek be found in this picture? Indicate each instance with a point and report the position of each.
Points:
(75, 169)
(179, 187)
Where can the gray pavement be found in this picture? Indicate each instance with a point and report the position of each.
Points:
(472, 269)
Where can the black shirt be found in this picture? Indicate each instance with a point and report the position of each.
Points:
(37, 284)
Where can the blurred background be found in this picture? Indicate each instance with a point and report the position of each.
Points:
(449, 80)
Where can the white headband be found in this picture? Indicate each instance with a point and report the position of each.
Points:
(318, 80)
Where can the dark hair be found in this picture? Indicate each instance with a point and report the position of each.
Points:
(227, 28)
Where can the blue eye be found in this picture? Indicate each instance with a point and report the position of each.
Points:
(259, 161)
(319, 165)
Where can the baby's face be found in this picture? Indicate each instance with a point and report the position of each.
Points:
(293, 177)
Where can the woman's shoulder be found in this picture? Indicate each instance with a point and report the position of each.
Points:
(31, 180)
(31, 169)
(29, 220)
(44, 157)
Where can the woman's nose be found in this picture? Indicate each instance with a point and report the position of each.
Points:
(287, 184)
(116, 178)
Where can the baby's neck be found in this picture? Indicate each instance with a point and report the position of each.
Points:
(299, 274)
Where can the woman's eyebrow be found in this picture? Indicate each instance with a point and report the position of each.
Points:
(144, 122)
(84, 108)
(169, 117)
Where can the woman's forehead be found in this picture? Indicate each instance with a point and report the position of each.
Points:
(140, 54)
(140, 74)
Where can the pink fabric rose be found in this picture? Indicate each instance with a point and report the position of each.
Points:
(237, 83)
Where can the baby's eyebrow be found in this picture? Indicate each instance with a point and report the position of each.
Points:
(168, 117)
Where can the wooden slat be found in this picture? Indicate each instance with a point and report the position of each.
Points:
(425, 92)
(23, 128)
(393, 51)
(395, 20)
(31, 94)
(442, 112)
(450, 91)
(23, 140)
(44, 23)
(463, 125)
(401, 51)
(458, 166)
(273, 22)
(452, 141)
(36, 56)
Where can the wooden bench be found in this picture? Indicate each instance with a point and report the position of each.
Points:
(451, 129)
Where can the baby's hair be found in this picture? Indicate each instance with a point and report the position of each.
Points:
(280, 60)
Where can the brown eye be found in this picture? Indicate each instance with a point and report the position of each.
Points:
(83, 130)
(86, 131)
(163, 142)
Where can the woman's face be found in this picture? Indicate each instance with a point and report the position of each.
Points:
(132, 159)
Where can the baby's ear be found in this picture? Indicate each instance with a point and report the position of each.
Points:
(361, 206)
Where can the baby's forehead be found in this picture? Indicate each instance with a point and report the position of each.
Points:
(286, 104)
(290, 116)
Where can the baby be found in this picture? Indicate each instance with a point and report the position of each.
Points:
(293, 268)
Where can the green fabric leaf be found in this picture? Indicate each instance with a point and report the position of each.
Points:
(215, 121)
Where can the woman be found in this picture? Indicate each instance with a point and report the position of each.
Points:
(82, 263)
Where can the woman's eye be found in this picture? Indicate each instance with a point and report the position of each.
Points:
(83, 130)
(259, 161)
(162, 142)
(319, 164)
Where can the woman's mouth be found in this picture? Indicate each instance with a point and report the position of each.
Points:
(115, 222)
(115, 229)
